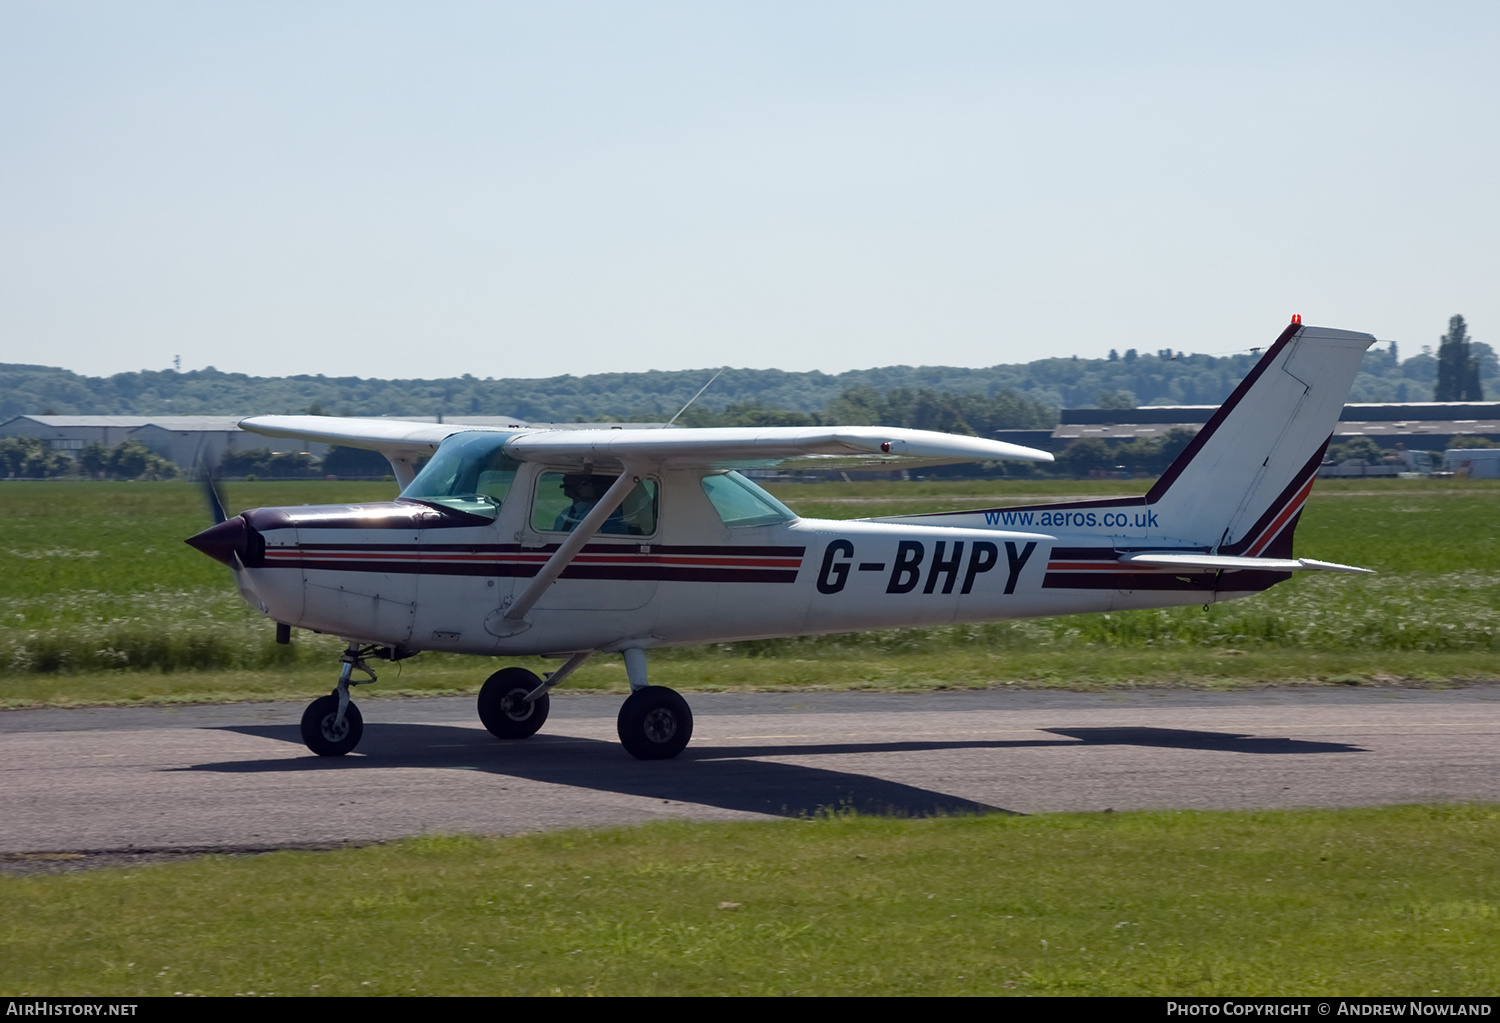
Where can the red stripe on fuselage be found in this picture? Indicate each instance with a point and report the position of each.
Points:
(696, 564)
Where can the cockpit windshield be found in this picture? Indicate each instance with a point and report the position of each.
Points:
(470, 473)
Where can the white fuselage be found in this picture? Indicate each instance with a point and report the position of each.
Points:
(408, 575)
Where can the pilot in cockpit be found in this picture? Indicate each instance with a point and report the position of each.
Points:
(584, 491)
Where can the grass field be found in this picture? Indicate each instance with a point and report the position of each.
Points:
(101, 602)
(1394, 901)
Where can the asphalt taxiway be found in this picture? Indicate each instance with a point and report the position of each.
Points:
(237, 776)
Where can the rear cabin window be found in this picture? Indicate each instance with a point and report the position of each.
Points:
(741, 503)
(564, 498)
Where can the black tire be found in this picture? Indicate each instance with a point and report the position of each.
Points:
(655, 723)
(319, 733)
(502, 706)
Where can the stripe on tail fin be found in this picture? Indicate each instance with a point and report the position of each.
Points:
(1271, 535)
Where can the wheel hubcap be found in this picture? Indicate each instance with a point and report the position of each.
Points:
(515, 706)
(335, 730)
(660, 725)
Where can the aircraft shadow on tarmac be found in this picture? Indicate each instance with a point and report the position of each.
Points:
(787, 790)
(1185, 738)
(720, 776)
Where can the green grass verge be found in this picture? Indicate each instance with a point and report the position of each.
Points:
(1394, 901)
(101, 602)
(699, 670)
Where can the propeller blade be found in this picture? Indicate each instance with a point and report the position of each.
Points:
(242, 580)
(211, 494)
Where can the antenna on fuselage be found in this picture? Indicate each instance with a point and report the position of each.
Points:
(695, 397)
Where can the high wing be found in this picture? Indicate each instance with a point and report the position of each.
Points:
(763, 447)
(372, 434)
(718, 447)
(400, 442)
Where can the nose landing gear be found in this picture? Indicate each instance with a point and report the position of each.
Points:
(326, 731)
(332, 725)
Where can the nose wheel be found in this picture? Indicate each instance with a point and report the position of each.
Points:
(325, 732)
(332, 725)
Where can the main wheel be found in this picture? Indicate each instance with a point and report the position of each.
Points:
(503, 707)
(655, 723)
(320, 733)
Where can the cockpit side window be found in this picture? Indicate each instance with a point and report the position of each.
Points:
(564, 498)
(470, 472)
(741, 503)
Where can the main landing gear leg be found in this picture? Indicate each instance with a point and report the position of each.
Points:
(655, 722)
(332, 725)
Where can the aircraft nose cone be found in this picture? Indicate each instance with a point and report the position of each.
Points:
(224, 541)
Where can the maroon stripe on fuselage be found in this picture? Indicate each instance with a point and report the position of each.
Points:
(1124, 581)
(1112, 502)
(622, 550)
(1111, 553)
(512, 570)
(1234, 582)
(677, 563)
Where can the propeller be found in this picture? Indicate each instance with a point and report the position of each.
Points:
(211, 494)
(228, 540)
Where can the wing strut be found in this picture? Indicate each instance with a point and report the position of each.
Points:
(612, 499)
(403, 465)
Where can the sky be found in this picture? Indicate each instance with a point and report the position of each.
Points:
(518, 189)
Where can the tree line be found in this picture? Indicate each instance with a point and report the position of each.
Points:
(1163, 377)
(33, 458)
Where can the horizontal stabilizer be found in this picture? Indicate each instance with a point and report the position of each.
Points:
(1225, 563)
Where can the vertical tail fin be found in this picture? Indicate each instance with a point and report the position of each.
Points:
(1239, 486)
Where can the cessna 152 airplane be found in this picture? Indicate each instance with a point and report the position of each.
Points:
(571, 542)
